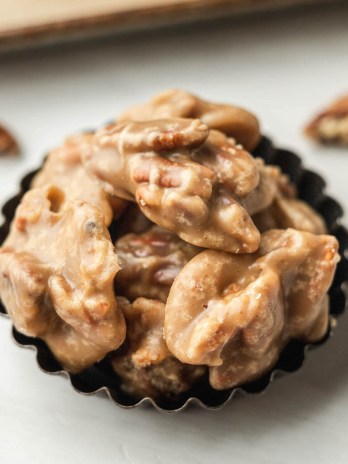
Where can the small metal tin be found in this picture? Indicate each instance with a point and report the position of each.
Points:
(101, 379)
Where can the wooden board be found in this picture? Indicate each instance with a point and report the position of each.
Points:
(30, 22)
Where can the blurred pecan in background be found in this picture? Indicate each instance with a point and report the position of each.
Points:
(331, 125)
(8, 144)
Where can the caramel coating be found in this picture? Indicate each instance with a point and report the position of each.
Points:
(231, 120)
(150, 262)
(146, 366)
(63, 168)
(57, 268)
(287, 211)
(263, 195)
(236, 313)
(331, 125)
(290, 213)
(184, 178)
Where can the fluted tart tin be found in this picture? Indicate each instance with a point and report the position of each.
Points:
(100, 378)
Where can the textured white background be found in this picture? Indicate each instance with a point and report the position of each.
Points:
(283, 68)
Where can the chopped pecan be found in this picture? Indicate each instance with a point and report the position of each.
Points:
(57, 270)
(231, 120)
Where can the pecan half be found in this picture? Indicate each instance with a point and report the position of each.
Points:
(184, 178)
(331, 125)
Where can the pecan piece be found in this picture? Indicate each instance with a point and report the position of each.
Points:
(145, 365)
(331, 125)
(150, 262)
(57, 270)
(236, 313)
(231, 120)
(8, 144)
(184, 178)
(63, 168)
(288, 211)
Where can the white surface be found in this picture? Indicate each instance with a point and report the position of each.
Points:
(284, 69)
